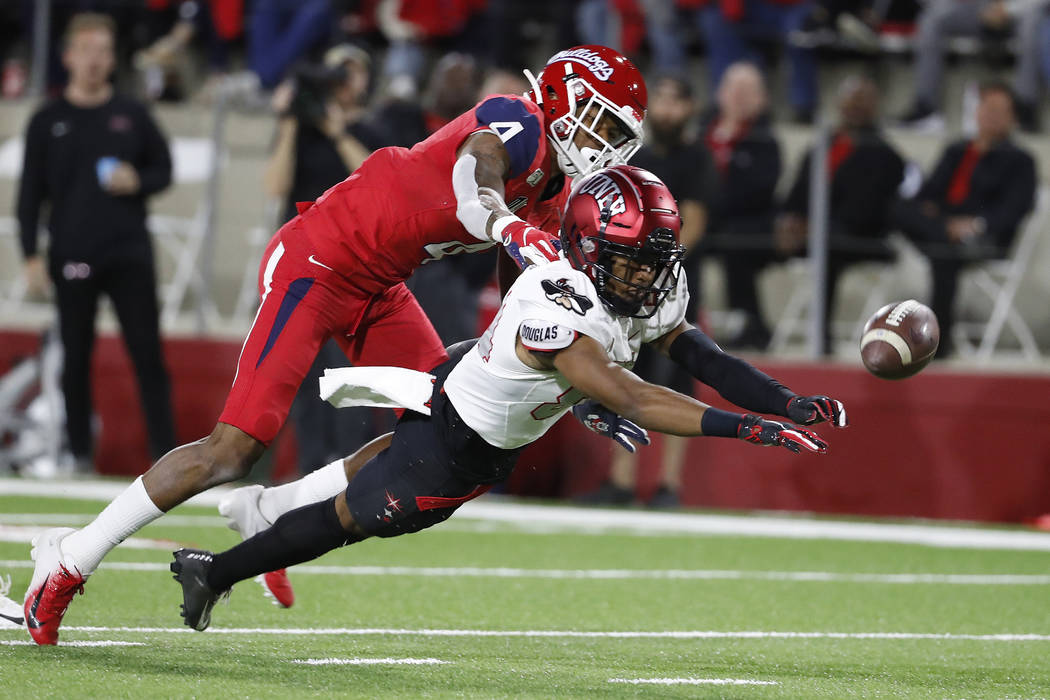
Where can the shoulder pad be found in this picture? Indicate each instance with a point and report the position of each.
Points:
(517, 126)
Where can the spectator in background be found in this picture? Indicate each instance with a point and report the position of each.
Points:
(502, 82)
(864, 174)
(731, 27)
(972, 204)
(411, 25)
(672, 154)
(218, 22)
(94, 157)
(323, 135)
(747, 165)
(941, 19)
(622, 24)
(452, 84)
(283, 31)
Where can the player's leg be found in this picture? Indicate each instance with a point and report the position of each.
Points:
(276, 355)
(401, 490)
(395, 333)
(251, 509)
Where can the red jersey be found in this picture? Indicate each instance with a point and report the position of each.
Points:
(398, 210)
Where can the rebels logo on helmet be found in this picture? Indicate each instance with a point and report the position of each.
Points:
(605, 192)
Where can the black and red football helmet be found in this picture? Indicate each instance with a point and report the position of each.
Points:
(625, 212)
(576, 90)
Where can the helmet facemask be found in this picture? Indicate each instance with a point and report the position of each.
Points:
(596, 255)
(586, 111)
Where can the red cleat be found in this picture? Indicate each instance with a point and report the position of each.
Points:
(277, 586)
(52, 588)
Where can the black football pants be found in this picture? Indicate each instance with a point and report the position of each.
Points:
(132, 287)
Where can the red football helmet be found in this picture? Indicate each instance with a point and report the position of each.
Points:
(576, 90)
(629, 213)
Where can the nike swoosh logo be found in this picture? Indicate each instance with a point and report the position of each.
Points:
(31, 620)
(16, 620)
(318, 262)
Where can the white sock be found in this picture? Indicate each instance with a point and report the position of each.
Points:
(127, 514)
(318, 485)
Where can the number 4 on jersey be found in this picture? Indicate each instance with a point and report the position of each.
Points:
(506, 130)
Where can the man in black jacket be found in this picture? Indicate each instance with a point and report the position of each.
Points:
(747, 166)
(972, 204)
(94, 157)
(864, 174)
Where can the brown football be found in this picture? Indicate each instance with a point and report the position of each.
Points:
(899, 339)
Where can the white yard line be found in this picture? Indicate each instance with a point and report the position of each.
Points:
(91, 490)
(368, 662)
(75, 643)
(627, 634)
(25, 534)
(44, 520)
(691, 681)
(621, 574)
(569, 519)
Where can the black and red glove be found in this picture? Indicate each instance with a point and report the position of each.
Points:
(770, 433)
(807, 410)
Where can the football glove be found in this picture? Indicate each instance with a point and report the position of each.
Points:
(807, 410)
(604, 422)
(771, 433)
(528, 245)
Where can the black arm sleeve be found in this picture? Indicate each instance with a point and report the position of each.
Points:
(154, 167)
(32, 189)
(734, 379)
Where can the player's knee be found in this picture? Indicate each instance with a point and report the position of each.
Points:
(228, 454)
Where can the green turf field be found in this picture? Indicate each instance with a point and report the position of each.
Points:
(485, 609)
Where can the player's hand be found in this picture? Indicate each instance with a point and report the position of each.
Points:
(771, 433)
(38, 284)
(529, 245)
(490, 199)
(604, 422)
(124, 180)
(807, 410)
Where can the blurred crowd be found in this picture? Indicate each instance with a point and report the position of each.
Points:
(346, 78)
(269, 37)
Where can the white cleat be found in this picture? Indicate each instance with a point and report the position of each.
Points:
(11, 616)
(241, 509)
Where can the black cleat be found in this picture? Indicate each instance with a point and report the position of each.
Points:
(191, 570)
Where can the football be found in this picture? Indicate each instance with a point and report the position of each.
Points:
(899, 340)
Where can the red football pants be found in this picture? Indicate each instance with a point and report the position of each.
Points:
(304, 303)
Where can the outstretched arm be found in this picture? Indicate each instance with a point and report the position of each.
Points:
(743, 384)
(588, 367)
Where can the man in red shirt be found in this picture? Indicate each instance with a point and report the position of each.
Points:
(337, 271)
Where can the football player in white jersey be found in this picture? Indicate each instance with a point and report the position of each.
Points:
(566, 332)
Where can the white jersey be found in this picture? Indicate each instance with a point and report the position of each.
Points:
(510, 404)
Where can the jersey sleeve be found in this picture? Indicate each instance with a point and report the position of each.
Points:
(670, 314)
(555, 306)
(517, 126)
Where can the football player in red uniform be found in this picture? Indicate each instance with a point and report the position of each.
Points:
(338, 270)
